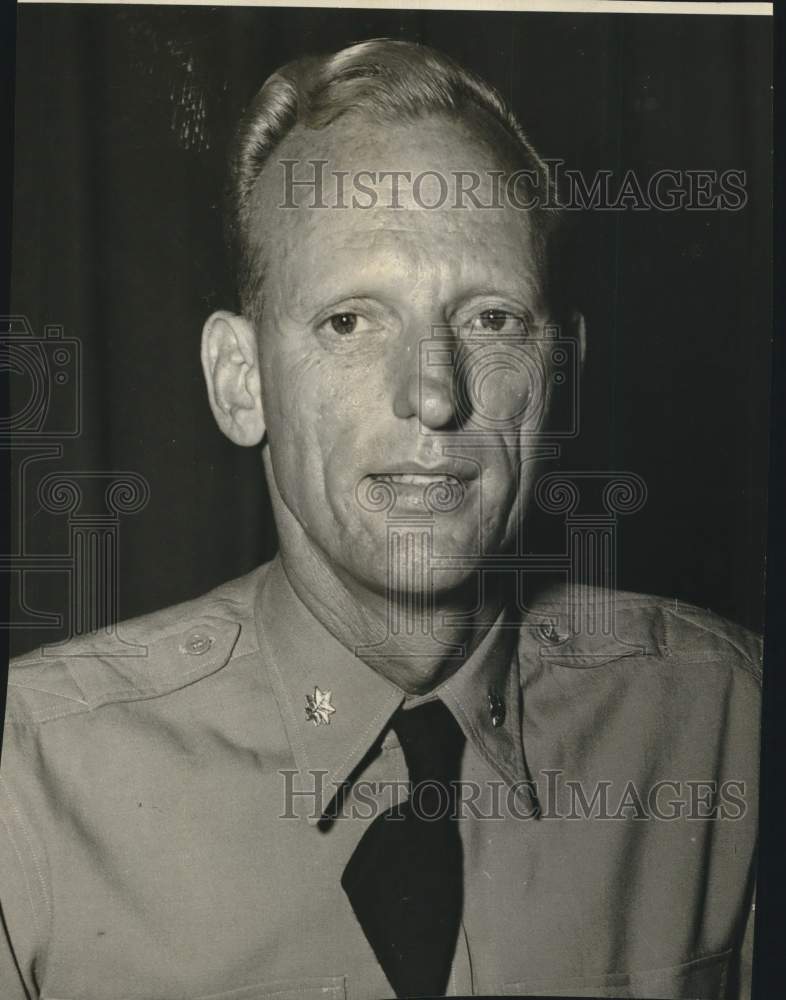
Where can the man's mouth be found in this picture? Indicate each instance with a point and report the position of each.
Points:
(422, 479)
(434, 491)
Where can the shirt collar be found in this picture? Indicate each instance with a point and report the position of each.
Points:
(306, 660)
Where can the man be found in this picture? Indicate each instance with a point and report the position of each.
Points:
(372, 767)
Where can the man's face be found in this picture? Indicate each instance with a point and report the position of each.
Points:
(398, 351)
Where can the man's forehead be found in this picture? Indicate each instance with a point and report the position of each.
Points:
(432, 164)
(424, 188)
(401, 264)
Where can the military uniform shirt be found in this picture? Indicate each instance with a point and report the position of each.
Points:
(170, 828)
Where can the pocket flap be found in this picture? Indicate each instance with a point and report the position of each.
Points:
(700, 979)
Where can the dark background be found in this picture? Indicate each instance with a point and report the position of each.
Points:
(123, 116)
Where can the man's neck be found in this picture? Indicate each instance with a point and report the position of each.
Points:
(440, 631)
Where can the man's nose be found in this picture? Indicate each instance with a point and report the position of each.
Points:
(429, 397)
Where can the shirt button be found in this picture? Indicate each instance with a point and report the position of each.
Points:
(198, 643)
(548, 632)
(496, 708)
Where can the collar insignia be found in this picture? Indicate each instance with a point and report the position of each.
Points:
(318, 707)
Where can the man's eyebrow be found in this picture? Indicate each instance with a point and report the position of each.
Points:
(527, 296)
(314, 302)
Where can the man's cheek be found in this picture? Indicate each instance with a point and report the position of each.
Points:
(341, 414)
(501, 389)
(345, 391)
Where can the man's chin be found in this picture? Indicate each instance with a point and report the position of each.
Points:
(411, 568)
(400, 552)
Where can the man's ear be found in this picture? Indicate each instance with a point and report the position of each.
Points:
(230, 361)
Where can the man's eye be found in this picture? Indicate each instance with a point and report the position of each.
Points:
(499, 321)
(344, 323)
(347, 324)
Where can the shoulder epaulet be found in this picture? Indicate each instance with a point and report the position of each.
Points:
(582, 626)
(143, 657)
(704, 635)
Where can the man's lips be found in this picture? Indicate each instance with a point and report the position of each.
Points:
(439, 489)
(415, 474)
(416, 478)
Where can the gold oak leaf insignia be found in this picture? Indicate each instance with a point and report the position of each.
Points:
(318, 707)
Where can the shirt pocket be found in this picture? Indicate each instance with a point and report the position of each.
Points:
(700, 979)
(323, 988)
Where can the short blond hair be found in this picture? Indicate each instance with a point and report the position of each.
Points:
(389, 82)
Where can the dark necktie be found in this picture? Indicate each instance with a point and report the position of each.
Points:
(405, 878)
